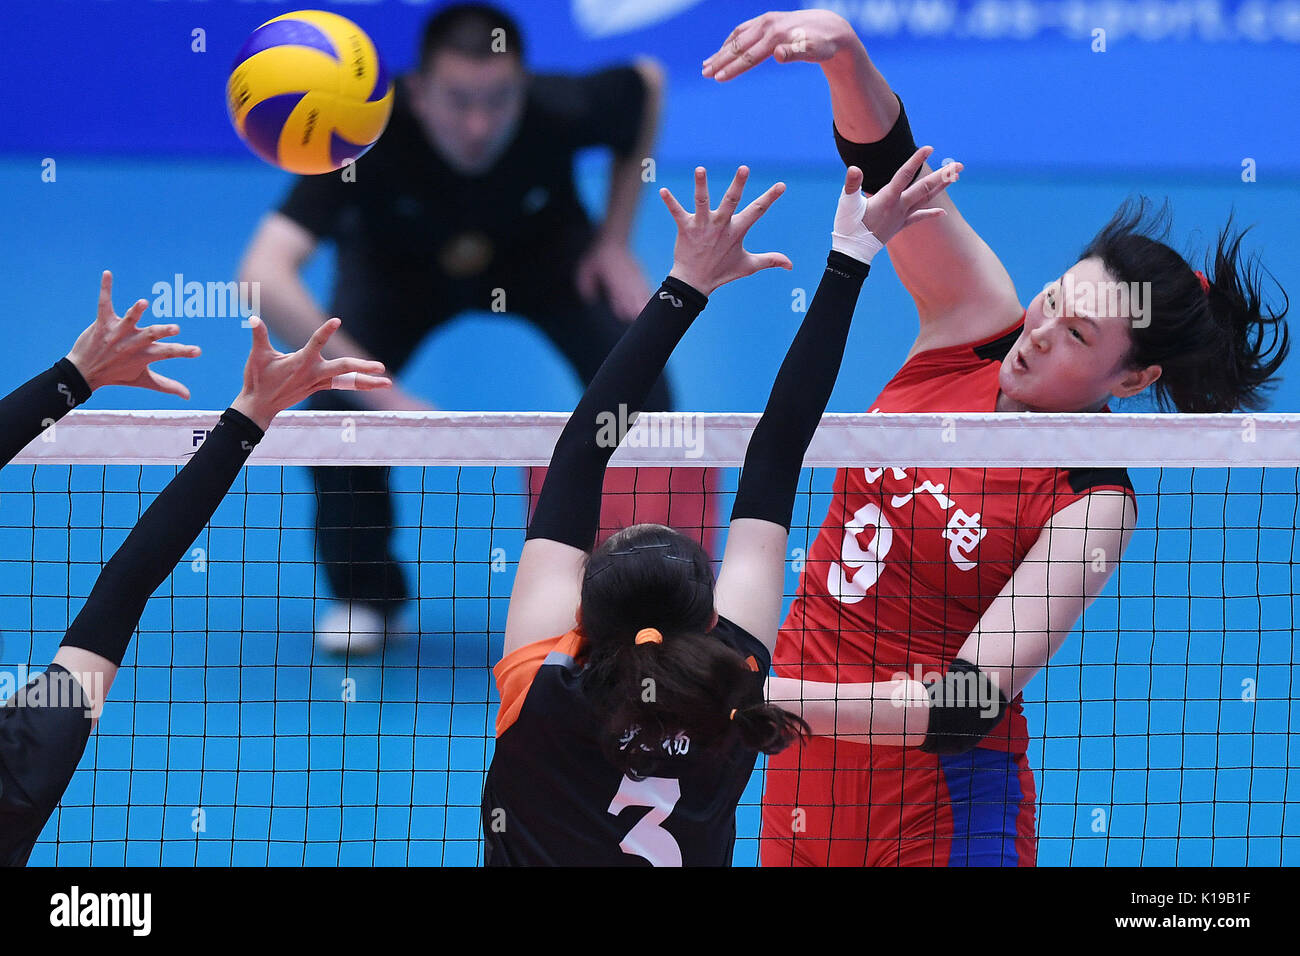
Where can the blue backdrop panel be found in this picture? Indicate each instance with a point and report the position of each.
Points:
(1179, 85)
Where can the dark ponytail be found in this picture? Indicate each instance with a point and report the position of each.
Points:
(1218, 351)
(767, 728)
(650, 576)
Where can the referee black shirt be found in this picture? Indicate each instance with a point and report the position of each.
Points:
(418, 240)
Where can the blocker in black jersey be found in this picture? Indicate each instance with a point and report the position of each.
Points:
(44, 727)
(552, 799)
(43, 732)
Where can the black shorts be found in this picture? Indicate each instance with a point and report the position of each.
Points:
(43, 732)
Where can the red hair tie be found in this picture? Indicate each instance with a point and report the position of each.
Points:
(1205, 283)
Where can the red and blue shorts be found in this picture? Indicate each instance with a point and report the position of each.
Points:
(834, 803)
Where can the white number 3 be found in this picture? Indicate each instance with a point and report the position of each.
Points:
(648, 839)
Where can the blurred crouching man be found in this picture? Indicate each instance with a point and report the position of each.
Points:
(469, 190)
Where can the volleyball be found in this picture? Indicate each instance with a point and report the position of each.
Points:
(308, 92)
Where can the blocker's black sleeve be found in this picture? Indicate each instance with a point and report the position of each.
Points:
(32, 407)
(799, 395)
(43, 732)
(568, 508)
(160, 538)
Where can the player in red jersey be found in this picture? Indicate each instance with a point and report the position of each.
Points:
(949, 589)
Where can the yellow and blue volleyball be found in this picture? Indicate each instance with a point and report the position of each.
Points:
(308, 92)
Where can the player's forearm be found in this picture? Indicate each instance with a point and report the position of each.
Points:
(620, 207)
(35, 405)
(568, 508)
(890, 713)
(862, 102)
(625, 172)
(160, 538)
(799, 395)
(93, 673)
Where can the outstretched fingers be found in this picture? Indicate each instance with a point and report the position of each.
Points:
(755, 210)
(852, 181)
(770, 260)
(321, 336)
(923, 214)
(341, 366)
(368, 383)
(161, 351)
(261, 337)
(355, 381)
(725, 53)
(105, 308)
(701, 191)
(907, 172)
(161, 383)
(731, 198)
(926, 188)
(134, 313)
(155, 332)
(747, 46)
(680, 215)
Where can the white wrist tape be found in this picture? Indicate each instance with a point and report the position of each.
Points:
(850, 236)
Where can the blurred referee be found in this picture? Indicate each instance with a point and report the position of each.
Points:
(469, 190)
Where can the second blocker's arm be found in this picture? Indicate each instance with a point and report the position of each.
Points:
(160, 539)
(799, 395)
(37, 404)
(568, 509)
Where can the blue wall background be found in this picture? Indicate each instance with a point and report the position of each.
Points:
(1182, 85)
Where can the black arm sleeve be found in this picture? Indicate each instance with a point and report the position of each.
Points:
(568, 508)
(799, 395)
(160, 538)
(879, 161)
(29, 409)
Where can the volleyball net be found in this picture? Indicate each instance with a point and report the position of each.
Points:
(1160, 732)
